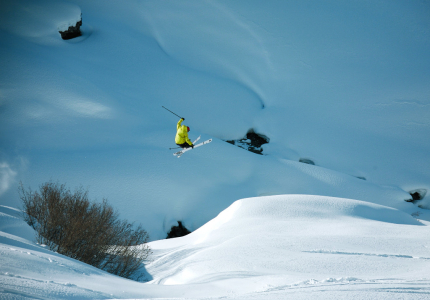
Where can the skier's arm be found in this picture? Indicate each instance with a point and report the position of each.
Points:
(179, 123)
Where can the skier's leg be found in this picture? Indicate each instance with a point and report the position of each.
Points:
(184, 145)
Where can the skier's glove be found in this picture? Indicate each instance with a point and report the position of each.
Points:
(183, 119)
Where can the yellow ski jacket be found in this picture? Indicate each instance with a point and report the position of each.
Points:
(182, 134)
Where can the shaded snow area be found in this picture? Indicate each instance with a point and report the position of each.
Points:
(336, 207)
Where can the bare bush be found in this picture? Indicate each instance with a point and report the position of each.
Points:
(70, 224)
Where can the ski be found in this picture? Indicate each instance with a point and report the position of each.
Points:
(193, 144)
(179, 153)
(196, 139)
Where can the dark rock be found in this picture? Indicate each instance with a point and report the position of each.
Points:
(307, 161)
(251, 142)
(417, 195)
(177, 231)
(257, 139)
(72, 32)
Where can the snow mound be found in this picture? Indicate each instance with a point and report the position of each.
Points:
(286, 208)
(292, 235)
(289, 208)
(320, 207)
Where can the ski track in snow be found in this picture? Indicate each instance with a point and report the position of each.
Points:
(19, 287)
(5, 250)
(366, 254)
(389, 286)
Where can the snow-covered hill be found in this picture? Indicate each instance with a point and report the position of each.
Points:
(305, 247)
(341, 83)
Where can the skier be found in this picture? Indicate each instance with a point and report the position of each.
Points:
(181, 138)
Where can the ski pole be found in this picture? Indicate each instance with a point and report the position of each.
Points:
(172, 112)
(174, 148)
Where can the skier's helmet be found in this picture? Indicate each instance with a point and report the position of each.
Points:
(188, 128)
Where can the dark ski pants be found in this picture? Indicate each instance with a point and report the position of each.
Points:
(184, 145)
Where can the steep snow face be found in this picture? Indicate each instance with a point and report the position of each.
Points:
(344, 83)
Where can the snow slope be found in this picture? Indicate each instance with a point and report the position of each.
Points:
(286, 243)
(343, 83)
(258, 248)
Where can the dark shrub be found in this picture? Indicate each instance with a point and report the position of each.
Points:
(177, 231)
(70, 224)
